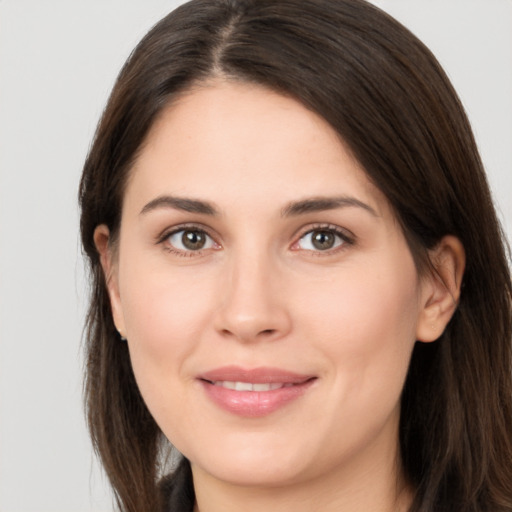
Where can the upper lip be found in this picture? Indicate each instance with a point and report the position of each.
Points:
(259, 375)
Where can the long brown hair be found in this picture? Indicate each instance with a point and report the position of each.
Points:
(389, 100)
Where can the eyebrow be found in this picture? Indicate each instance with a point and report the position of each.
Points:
(295, 208)
(180, 203)
(318, 204)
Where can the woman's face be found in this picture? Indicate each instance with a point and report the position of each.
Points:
(266, 290)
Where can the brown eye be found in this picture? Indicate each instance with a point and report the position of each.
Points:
(187, 240)
(322, 240)
(193, 240)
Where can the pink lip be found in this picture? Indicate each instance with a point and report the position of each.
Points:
(254, 403)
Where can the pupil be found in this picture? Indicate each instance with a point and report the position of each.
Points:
(323, 240)
(193, 240)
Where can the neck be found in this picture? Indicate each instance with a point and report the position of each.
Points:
(372, 482)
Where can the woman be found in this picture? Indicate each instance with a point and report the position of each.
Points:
(298, 276)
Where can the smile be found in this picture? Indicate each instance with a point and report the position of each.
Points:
(254, 393)
(248, 386)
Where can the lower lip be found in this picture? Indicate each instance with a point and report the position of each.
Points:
(253, 404)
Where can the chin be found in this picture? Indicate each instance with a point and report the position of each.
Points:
(267, 475)
(253, 464)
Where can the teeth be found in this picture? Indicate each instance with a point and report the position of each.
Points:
(249, 386)
(243, 386)
(268, 387)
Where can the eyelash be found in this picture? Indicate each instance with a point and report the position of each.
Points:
(178, 229)
(347, 239)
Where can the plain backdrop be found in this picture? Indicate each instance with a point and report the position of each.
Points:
(58, 61)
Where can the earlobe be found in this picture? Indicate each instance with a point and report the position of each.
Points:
(101, 240)
(441, 288)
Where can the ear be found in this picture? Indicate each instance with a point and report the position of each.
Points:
(440, 291)
(107, 259)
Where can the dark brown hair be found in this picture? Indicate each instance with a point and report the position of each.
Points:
(389, 100)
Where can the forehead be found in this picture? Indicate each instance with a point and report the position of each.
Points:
(233, 139)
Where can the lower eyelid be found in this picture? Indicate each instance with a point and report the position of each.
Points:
(338, 243)
(172, 248)
(345, 238)
(172, 233)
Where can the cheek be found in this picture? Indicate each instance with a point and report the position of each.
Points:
(162, 304)
(165, 316)
(365, 323)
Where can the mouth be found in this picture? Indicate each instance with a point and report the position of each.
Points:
(250, 386)
(255, 392)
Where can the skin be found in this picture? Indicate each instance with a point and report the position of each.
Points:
(260, 293)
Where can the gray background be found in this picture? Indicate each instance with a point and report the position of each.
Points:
(58, 61)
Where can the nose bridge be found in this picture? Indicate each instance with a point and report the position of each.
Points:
(251, 304)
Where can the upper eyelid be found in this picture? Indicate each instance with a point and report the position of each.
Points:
(348, 239)
(344, 232)
(163, 240)
(167, 232)
(298, 234)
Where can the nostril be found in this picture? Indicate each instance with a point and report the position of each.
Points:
(267, 332)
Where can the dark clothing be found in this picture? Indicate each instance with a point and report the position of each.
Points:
(178, 489)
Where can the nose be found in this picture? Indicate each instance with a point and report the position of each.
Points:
(252, 304)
